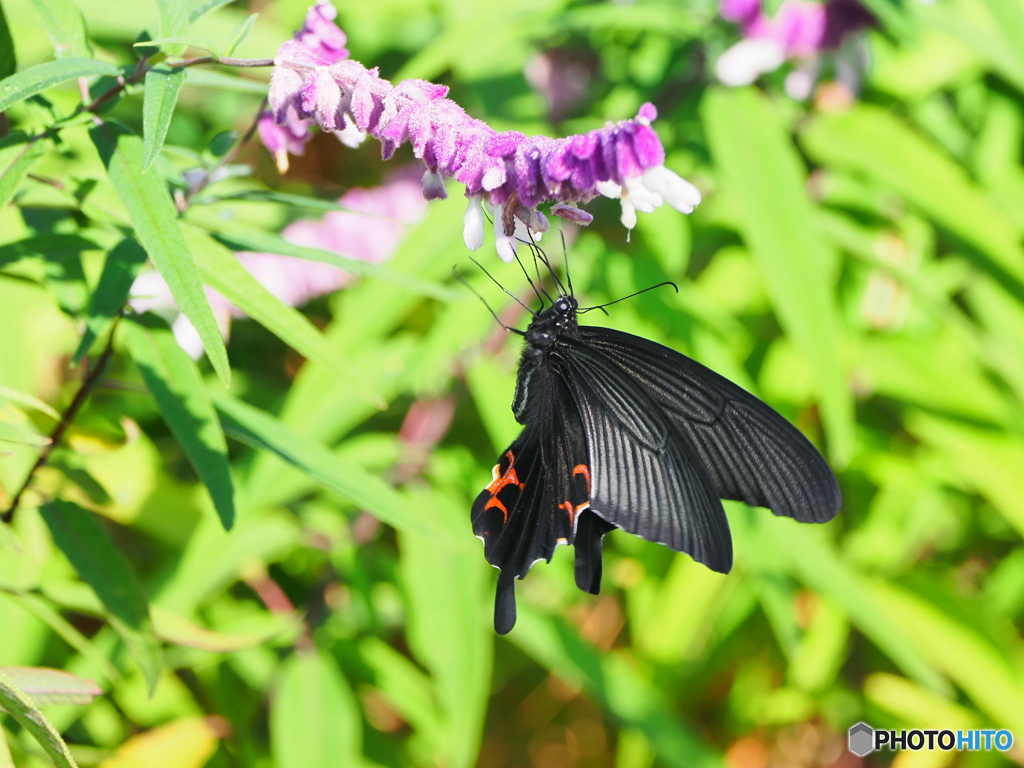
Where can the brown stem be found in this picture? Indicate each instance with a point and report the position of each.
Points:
(69, 416)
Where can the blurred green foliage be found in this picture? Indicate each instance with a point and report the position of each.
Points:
(857, 262)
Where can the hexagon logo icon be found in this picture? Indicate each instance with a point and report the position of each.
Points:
(861, 739)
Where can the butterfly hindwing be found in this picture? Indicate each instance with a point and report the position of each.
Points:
(750, 452)
(540, 486)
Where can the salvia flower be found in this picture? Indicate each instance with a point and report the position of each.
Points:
(506, 173)
(799, 31)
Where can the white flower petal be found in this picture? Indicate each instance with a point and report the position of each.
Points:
(609, 189)
(473, 223)
(677, 191)
(350, 136)
(748, 60)
(433, 186)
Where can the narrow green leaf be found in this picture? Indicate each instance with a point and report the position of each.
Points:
(16, 433)
(119, 272)
(252, 240)
(28, 401)
(99, 562)
(65, 26)
(173, 22)
(21, 708)
(223, 272)
(241, 32)
(177, 386)
(273, 196)
(447, 627)
(39, 78)
(52, 686)
(156, 225)
(261, 430)
(162, 86)
(764, 177)
(314, 716)
(204, 7)
(8, 61)
(875, 143)
(17, 154)
(6, 760)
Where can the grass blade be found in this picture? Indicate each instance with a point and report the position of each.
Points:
(223, 272)
(92, 552)
(177, 386)
(156, 225)
(764, 177)
(261, 430)
(119, 272)
(65, 27)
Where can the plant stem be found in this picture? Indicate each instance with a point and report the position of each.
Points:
(67, 417)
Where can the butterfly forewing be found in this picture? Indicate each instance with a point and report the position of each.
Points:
(750, 452)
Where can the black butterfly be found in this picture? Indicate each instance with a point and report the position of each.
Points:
(621, 432)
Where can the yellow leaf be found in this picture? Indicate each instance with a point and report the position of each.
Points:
(185, 743)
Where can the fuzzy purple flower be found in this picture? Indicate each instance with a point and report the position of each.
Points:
(509, 173)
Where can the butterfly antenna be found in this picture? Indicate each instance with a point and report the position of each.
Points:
(645, 290)
(538, 285)
(539, 256)
(461, 278)
(565, 258)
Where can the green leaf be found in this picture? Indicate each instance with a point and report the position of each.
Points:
(253, 240)
(241, 32)
(261, 430)
(21, 708)
(65, 26)
(119, 272)
(8, 61)
(223, 272)
(177, 386)
(15, 433)
(204, 7)
(314, 716)
(765, 180)
(52, 686)
(613, 681)
(156, 225)
(92, 552)
(875, 143)
(162, 86)
(173, 22)
(447, 626)
(28, 401)
(17, 154)
(39, 78)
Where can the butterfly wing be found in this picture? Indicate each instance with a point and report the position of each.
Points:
(540, 486)
(749, 451)
(645, 478)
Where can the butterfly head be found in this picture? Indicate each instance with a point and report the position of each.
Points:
(551, 323)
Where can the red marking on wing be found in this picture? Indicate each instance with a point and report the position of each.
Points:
(500, 482)
(574, 509)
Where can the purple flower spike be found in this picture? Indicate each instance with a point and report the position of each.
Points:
(508, 171)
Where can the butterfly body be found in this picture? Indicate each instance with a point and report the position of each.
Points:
(621, 432)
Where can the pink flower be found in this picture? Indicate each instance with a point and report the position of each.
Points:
(370, 230)
(502, 170)
(799, 30)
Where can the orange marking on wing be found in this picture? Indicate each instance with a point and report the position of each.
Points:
(498, 484)
(582, 469)
(574, 510)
